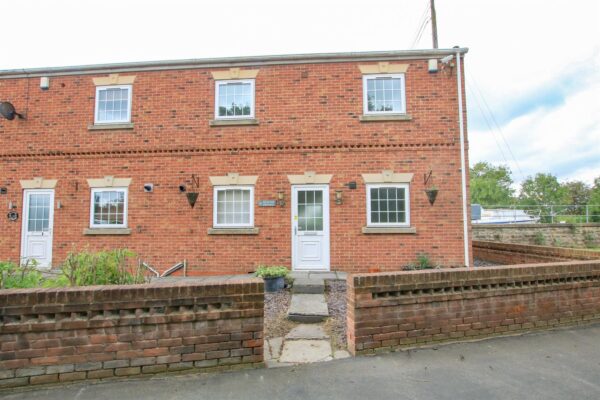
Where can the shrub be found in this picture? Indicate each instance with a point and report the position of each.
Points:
(111, 267)
(264, 271)
(539, 239)
(423, 262)
(13, 276)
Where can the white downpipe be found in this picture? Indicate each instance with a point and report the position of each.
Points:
(463, 167)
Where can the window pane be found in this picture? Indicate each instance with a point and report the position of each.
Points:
(233, 207)
(113, 104)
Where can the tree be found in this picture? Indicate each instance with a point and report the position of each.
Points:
(543, 189)
(578, 195)
(491, 185)
(594, 208)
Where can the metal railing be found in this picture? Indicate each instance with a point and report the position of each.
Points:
(545, 213)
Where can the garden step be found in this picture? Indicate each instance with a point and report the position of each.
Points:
(308, 286)
(308, 308)
(307, 332)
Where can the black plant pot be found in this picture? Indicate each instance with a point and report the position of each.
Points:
(274, 284)
(431, 195)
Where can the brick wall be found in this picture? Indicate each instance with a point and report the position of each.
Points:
(510, 253)
(392, 310)
(59, 335)
(308, 121)
(559, 235)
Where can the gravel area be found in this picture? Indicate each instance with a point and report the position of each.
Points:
(482, 263)
(336, 324)
(276, 306)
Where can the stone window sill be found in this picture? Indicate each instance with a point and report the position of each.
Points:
(381, 230)
(378, 118)
(232, 122)
(110, 127)
(233, 231)
(107, 231)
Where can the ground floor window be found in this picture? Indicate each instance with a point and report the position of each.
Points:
(109, 208)
(233, 206)
(388, 205)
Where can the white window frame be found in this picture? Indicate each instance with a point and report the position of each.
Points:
(125, 207)
(97, 111)
(216, 189)
(218, 84)
(406, 188)
(402, 94)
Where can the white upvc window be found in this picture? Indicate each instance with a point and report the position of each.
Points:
(234, 99)
(113, 104)
(108, 208)
(233, 206)
(388, 205)
(384, 94)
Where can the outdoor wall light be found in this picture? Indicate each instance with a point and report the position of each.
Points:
(182, 188)
(338, 197)
(281, 199)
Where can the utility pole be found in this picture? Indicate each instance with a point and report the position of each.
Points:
(433, 24)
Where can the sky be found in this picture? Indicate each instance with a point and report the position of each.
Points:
(532, 72)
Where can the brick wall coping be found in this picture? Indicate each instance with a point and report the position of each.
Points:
(231, 62)
(369, 290)
(540, 226)
(546, 251)
(101, 293)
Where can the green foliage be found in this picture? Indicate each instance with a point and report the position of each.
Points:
(491, 185)
(578, 194)
(264, 271)
(423, 262)
(13, 276)
(543, 189)
(539, 239)
(594, 209)
(590, 240)
(112, 267)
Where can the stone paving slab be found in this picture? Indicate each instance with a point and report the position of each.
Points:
(308, 308)
(305, 351)
(308, 286)
(307, 331)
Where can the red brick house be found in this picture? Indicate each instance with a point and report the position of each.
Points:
(316, 162)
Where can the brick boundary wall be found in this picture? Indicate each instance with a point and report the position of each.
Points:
(559, 235)
(510, 253)
(387, 311)
(59, 335)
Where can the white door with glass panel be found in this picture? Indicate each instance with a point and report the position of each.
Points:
(38, 220)
(310, 227)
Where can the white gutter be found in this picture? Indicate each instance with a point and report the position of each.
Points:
(463, 167)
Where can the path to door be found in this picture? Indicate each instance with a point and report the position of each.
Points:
(309, 341)
(551, 365)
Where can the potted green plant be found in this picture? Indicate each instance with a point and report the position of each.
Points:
(432, 193)
(274, 277)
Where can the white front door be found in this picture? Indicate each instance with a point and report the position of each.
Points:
(310, 227)
(38, 220)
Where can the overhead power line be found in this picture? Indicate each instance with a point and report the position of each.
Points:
(497, 126)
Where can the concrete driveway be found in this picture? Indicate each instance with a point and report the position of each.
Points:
(561, 364)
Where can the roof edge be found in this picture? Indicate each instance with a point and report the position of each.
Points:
(230, 62)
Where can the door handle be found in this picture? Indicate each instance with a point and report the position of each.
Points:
(295, 230)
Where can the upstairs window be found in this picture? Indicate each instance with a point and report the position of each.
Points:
(234, 99)
(384, 94)
(388, 205)
(113, 104)
(109, 208)
(233, 206)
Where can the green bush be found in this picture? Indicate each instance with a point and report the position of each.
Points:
(13, 276)
(539, 239)
(423, 262)
(111, 267)
(264, 271)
